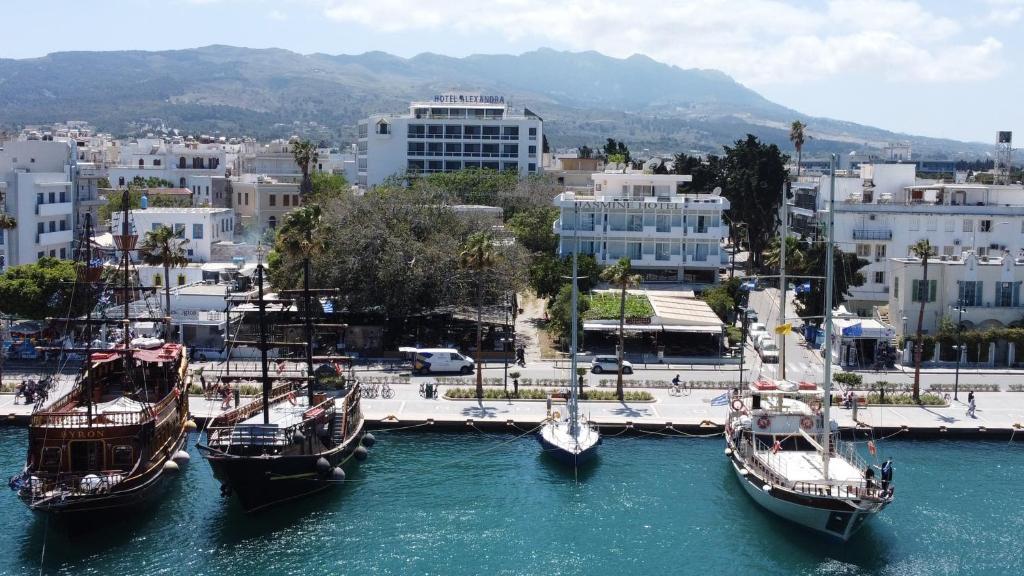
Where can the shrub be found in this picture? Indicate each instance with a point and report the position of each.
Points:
(848, 378)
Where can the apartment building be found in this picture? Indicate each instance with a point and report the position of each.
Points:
(666, 235)
(451, 132)
(261, 202)
(202, 227)
(186, 165)
(37, 183)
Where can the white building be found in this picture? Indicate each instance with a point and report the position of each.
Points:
(988, 288)
(202, 227)
(37, 184)
(185, 165)
(666, 235)
(451, 132)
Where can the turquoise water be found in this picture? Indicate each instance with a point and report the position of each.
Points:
(488, 504)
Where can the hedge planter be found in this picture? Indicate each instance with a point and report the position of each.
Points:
(541, 395)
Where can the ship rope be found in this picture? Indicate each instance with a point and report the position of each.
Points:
(42, 555)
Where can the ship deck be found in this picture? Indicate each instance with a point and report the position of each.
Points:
(282, 414)
(807, 466)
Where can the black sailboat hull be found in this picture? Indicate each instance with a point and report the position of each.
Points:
(263, 481)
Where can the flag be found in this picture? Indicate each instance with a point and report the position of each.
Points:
(328, 305)
(784, 328)
(720, 400)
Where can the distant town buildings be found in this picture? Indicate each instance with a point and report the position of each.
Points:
(202, 227)
(451, 132)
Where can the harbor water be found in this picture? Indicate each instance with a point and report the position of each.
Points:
(476, 503)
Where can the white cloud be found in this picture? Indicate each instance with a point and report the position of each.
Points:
(757, 41)
(277, 15)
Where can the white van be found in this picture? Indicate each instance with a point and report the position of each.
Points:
(433, 360)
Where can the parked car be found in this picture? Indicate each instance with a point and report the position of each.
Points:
(763, 340)
(433, 360)
(750, 315)
(609, 364)
(769, 353)
(755, 330)
(207, 354)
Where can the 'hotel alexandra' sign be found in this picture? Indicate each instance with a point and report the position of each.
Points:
(468, 99)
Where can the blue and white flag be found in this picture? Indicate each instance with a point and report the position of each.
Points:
(328, 305)
(720, 400)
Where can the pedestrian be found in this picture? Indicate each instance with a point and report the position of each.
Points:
(675, 385)
(521, 356)
(886, 473)
(971, 406)
(970, 396)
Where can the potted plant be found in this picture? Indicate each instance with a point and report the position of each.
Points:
(514, 375)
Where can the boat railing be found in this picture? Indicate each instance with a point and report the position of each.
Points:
(248, 410)
(74, 484)
(81, 419)
(774, 468)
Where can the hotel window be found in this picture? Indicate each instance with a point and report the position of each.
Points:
(417, 130)
(917, 290)
(489, 165)
(273, 200)
(453, 132)
(40, 255)
(286, 200)
(181, 277)
(197, 231)
(415, 166)
(879, 277)
(532, 167)
(490, 150)
(1007, 294)
(435, 149)
(863, 250)
(510, 166)
(931, 224)
(63, 253)
(295, 199)
(633, 250)
(509, 150)
(950, 225)
(416, 148)
(968, 292)
(664, 223)
(158, 280)
(452, 165)
(879, 251)
(533, 133)
(968, 225)
(532, 151)
(661, 251)
(948, 250)
(471, 150)
(179, 229)
(435, 131)
(985, 226)
(435, 165)
(383, 128)
(53, 226)
(915, 223)
(246, 198)
(511, 132)
(272, 222)
(453, 149)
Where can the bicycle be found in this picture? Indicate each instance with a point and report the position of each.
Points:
(387, 392)
(370, 391)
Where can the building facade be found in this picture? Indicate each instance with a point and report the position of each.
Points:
(261, 202)
(452, 132)
(185, 165)
(666, 235)
(37, 184)
(202, 227)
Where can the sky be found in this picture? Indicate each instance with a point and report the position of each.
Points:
(943, 68)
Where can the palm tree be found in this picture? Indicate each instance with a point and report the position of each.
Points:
(923, 249)
(478, 255)
(305, 154)
(796, 136)
(299, 232)
(164, 247)
(796, 257)
(620, 274)
(7, 222)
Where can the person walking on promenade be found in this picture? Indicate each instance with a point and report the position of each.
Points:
(971, 406)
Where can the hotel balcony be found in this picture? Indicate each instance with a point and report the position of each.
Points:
(872, 234)
(59, 237)
(54, 209)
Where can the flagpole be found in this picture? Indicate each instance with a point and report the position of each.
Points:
(782, 285)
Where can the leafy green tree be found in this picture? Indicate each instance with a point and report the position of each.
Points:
(754, 176)
(151, 182)
(7, 222)
(846, 267)
(707, 174)
(613, 147)
(103, 182)
(164, 247)
(924, 250)
(796, 136)
(40, 290)
(620, 275)
(548, 273)
(796, 254)
(478, 256)
(135, 202)
(326, 186)
(533, 229)
(586, 151)
(560, 311)
(305, 154)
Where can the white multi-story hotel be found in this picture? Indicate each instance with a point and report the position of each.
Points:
(882, 211)
(37, 185)
(185, 165)
(202, 227)
(665, 234)
(451, 132)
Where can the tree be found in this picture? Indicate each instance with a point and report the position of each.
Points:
(754, 174)
(305, 154)
(586, 151)
(533, 229)
(478, 257)
(846, 273)
(7, 222)
(924, 250)
(707, 174)
(618, 149)
(135, 202)
(796, 136)
(40, 290)
(164, 247)
(796, 253)
(560, 311)
(544, 147)
(548, 273)
(326, 186)
(620, 275)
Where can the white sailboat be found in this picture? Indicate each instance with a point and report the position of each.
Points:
(571, 438)
(779, 440)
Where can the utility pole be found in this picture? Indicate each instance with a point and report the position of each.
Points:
(783, 233)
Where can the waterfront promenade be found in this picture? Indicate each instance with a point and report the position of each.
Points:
(999, 414)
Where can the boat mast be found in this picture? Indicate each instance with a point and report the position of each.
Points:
(309, 329)
(829, 271)
(87, 236)
(575, 313)
(783, 233)
(261, 318)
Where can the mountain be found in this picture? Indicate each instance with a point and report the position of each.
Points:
(584, 97)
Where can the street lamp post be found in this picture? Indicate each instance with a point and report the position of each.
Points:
(959, 308)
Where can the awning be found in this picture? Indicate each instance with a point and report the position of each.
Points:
(697, 329)
(653, 328)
